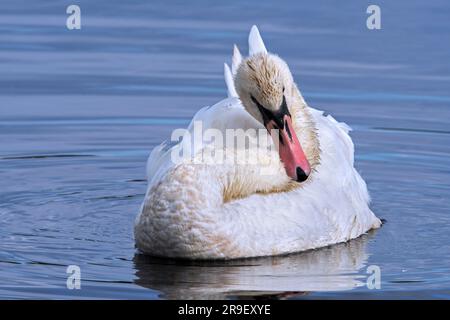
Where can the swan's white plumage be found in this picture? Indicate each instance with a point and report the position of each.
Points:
(331, 208)
(236, 59)
(184, 213)
(231, 91)
(255, 42)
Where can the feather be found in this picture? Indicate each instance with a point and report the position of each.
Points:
(255, 42)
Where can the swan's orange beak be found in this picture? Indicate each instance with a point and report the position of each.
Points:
(290, 150)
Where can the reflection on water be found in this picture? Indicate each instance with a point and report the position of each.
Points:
(333, 268)
(81, 110)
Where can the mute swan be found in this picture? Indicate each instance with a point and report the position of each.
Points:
(305, 195)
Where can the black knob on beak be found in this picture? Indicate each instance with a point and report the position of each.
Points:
(301, 175)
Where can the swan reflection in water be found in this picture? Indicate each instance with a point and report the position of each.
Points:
(333, 268)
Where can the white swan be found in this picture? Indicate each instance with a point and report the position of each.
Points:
(199, 210)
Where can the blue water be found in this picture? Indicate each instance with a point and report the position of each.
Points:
(80, 111)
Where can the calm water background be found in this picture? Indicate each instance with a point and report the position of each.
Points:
(81, 110)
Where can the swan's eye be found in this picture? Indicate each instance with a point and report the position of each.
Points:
(255, 101)
(283, 89)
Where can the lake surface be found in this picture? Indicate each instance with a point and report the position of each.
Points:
(80, 111)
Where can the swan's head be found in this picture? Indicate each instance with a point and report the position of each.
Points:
(264, 85)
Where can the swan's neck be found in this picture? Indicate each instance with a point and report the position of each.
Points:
(305, 127)
(245, 181)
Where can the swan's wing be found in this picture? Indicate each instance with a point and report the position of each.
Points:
(335, 132)
(337, 147)
(236, 60)
(226, 114)
(255, 42)
(158, 162)
(229, 74)
(160, 159)
(229, 82)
